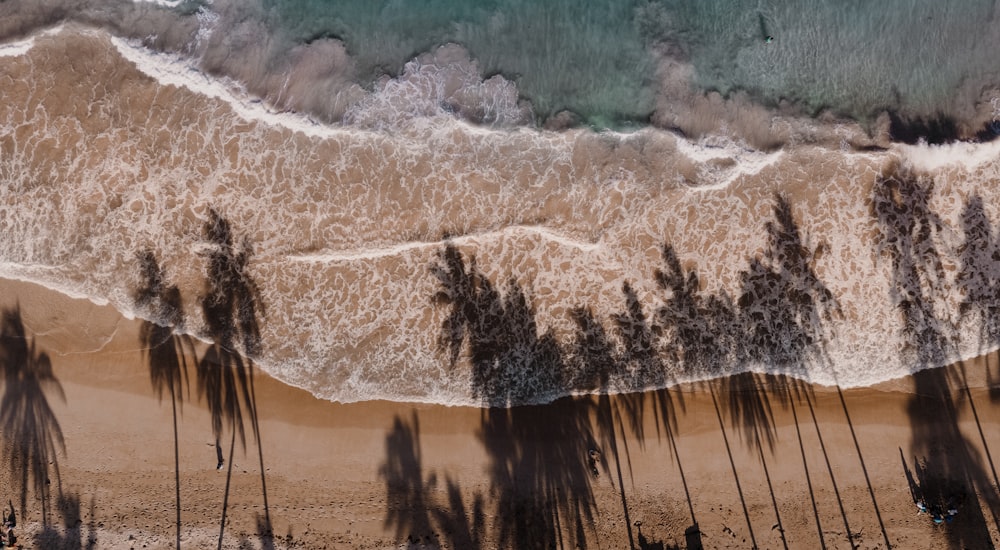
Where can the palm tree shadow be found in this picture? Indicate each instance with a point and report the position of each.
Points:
(411, 509)
(642, 365)
(979, 272)
(700, 334)
(979, 280)
(70, 536)
(776, 324)
(540, 477)
(638, 364)
(950, 467)
(407, 510)
(30, 431)
(461, 527)
(542, 485)
(782, 310)
(166, 348)
(230, 306)
(511, 363)
(593, 363)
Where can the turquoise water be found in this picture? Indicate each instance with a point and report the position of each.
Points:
(587, 57)
(599, 59)
(612, 63)
(856, 58)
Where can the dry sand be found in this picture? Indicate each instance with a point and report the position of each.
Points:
(751, 459)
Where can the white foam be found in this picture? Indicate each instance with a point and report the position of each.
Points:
(175, 70)
(746, 161)
(15, 49)
(162, 3)
(47, 277)
(389, 335)
(935, 157)
(21, 47)
(374, 253)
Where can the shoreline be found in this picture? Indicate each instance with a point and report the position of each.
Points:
(171, 68)
(380, 474)
(892, 127)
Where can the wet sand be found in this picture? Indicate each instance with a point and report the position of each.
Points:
(725, 464)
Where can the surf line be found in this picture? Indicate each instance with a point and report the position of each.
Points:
(371, 254)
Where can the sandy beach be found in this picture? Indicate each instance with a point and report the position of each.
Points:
(379, 217)
(734, 463)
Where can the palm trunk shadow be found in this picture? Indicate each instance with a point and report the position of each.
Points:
(605, 415)
(230, 307)
(166, 349)
(265, 531)
(770, 488)
(829, 469)
(225, 496)
(31, 433)
(809, 485)
(864, 469)
(732, 464)
(991, 496)
(692, 535)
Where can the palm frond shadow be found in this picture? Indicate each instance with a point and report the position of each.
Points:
(543, 491)
(30, 430)
(775, 323)
(949, 465)
(167, 349)
(782, 305)
(70, 534)
(413, 511)
(979, 280)
(779, 320)
(231, 306)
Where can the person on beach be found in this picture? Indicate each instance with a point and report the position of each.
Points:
(11, 518)
(8, 539)
(594, 457)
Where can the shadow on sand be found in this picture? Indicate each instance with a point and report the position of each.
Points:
(948, 467)
(777, 322)
(230, 307)
(71, 536)
(31, 434)
(168, 350)
(413, 511)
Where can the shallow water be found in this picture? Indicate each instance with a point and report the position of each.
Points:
(404, 252)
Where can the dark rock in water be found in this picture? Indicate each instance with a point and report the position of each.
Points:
(989, 132)
(933, 130)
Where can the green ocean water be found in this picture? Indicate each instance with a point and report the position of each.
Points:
(597, 58)
(587, 57)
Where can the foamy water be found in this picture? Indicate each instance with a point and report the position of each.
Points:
(424, 258)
